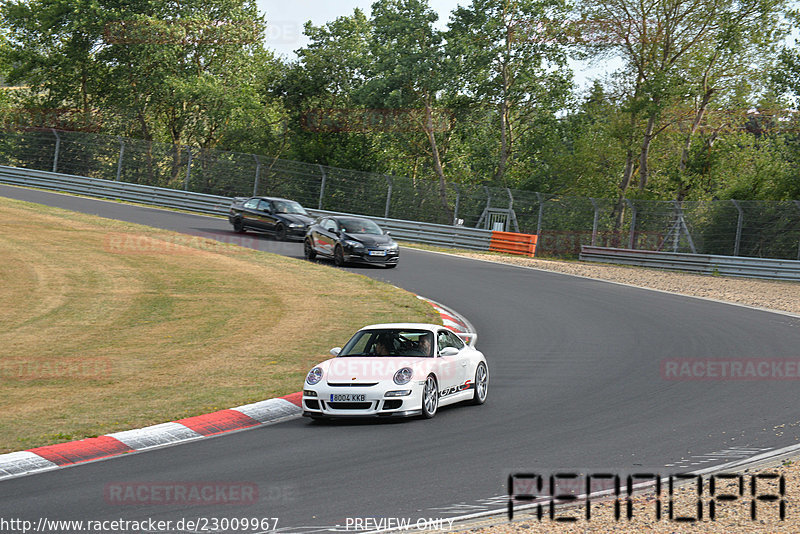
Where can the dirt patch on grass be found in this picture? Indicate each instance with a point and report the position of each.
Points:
(106, 326)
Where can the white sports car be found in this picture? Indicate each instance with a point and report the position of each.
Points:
(400, 369)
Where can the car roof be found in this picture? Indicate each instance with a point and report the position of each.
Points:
(350, 217)
(415, 326)
(276, 198)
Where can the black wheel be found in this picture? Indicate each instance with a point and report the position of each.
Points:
(338, 256)
(309, 251)
(481, 384)
(430, 398)
(238, 227)
(280, 232)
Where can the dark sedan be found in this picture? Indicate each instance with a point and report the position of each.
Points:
(350, 239)
(286, 219)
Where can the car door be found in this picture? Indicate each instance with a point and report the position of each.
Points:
(327, 236)
(250, 213)
(453, 369)
(266, 218)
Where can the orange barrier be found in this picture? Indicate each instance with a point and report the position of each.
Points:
(513, 243)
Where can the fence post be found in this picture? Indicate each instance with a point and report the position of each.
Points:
(738, 228)
(539, 223)
(58, 146)
(486, 209)
(633, 223)
(594, 223)
(797, 203)
(188, 170)
(388, 196)
(121, 153)
(458, 199)
(322, 186)
(682, 221)
(258, 172)
(511, 213)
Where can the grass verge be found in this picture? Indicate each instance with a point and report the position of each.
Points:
(106, 326)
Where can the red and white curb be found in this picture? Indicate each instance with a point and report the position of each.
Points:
(192, 428)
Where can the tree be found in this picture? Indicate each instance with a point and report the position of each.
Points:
(675, 50)
(507, 64)
(411, 70)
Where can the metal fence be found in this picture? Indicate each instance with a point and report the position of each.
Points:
(696, 263)
(734, 228)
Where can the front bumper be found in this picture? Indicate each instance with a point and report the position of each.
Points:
(374, 404)
(364, 256)
(296, 233)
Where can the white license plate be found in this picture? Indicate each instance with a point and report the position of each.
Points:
(348, 397)
(377, 253)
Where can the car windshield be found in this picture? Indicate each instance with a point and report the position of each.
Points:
(360, 226)
(288, 206)
(390, 342)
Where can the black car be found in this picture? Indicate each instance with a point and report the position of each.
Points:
(285, 218)
(345, 238)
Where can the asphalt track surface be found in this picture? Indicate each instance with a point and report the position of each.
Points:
(575, 384)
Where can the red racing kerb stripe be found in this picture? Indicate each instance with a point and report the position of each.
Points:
(218, 422)
(294, 398)
(81, 451)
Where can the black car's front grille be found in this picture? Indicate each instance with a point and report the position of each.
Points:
(350, 405)
(352, 384)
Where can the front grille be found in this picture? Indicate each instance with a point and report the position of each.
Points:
(312, 404)
(350, 405)
(392, 404)
(352, 384)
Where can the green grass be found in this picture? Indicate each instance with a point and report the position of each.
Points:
(106, 326)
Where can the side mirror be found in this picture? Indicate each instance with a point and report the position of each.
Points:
(336, 350)
(387, 232)
(448, 351)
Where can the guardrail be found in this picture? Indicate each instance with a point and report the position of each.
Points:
(696, 263)
(95, 187)
(417, 232)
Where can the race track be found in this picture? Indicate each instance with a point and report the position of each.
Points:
(575, 384)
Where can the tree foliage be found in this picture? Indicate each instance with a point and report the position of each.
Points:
(703, 105)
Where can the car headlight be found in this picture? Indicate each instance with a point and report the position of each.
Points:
(393, 246)
(354, 244)
(314, 376)
(296, 225)
(403, 376)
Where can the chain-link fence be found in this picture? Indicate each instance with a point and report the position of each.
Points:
(739, 228)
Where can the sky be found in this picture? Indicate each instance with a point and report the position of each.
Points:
(285, 19)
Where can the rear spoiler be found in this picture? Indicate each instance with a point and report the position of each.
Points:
(468, 337)
(238, 200)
